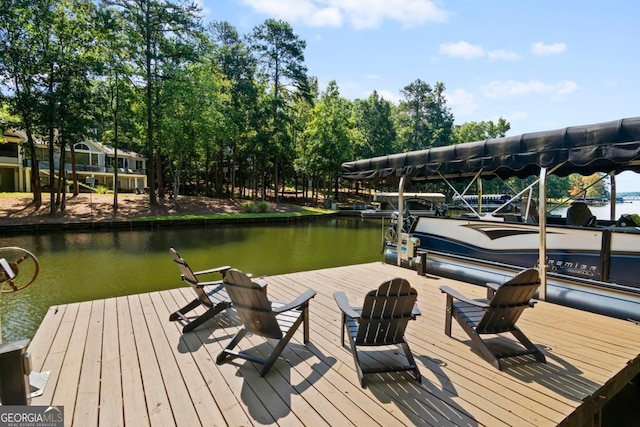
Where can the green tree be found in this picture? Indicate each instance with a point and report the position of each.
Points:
(301, 112)
(330, 134)
(280, 53)
(557, 187)
(374, 121)
(72, 59)
(233, 58)
(425, 120)
(158, 32)
(479, 131)
(7, 120)
(192, 121)
(22, 46)
(113, 92)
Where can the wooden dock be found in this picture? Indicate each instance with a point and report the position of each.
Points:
(120, 361)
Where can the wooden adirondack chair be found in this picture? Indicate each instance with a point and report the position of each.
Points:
(214, 299)
(381, 321)
(496, 314)
(262, 317)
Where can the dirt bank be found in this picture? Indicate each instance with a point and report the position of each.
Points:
(20, 209)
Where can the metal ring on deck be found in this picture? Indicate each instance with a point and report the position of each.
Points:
(18, 269)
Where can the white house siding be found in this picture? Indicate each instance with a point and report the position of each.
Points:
(91, 161)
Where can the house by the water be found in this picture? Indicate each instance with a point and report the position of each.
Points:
(93, 160)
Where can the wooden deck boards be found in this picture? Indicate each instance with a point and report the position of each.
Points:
(121, 362)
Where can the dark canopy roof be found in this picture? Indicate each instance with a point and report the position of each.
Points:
(602, 147)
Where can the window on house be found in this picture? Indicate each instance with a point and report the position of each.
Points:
(42, 154)
(82, 158)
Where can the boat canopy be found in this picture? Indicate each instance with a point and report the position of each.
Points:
(602, 147)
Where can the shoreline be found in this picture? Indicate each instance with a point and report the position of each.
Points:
(155, 224)
(85, 212)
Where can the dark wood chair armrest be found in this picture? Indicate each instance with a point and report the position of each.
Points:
(301, 300)
(260, 282)
(491, 289)
(492, 285)
(343, 305)
(221, 270)
(457, 295)
(415, 311)
(212, 283)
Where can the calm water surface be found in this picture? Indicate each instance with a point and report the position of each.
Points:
(604, 212)
(93, 265)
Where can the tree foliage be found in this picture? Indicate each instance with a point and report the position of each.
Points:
(329, 133)
(479, 131)
(280, 54)
(374, 121)
(215, 112)
(424, 119)
(160, 34)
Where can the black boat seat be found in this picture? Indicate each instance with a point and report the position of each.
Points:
(580, 214)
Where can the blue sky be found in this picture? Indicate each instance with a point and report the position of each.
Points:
(539, 64)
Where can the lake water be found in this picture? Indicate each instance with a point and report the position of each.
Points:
(604, 212)
(80, 266)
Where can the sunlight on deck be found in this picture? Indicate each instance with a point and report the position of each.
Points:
(120, 361)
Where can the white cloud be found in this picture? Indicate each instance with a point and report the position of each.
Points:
(507, 89)
(391, 96)
(298, 11)
(566, 87)
(503, 54)
(360, 14)
(541, 49)
(461, 102)
(327, 17)
(462, 49)
(516, 115)
(466, 50)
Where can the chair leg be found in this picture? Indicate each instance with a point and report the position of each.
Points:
(344, 325)
(529, 345)
(227, 353)
(356, 359)
(209, 314)
(479, 343)
(305, 319)
(448, 315)
(180, 314)
(411, 360)
(282, 343)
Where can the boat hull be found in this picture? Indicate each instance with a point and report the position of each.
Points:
(594, 269)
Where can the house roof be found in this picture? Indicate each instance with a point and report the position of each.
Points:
(121, 151)
(20, 136)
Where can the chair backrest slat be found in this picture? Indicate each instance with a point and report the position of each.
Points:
(190, 278)
(386, 312)
(509, 302)
(252, 305)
